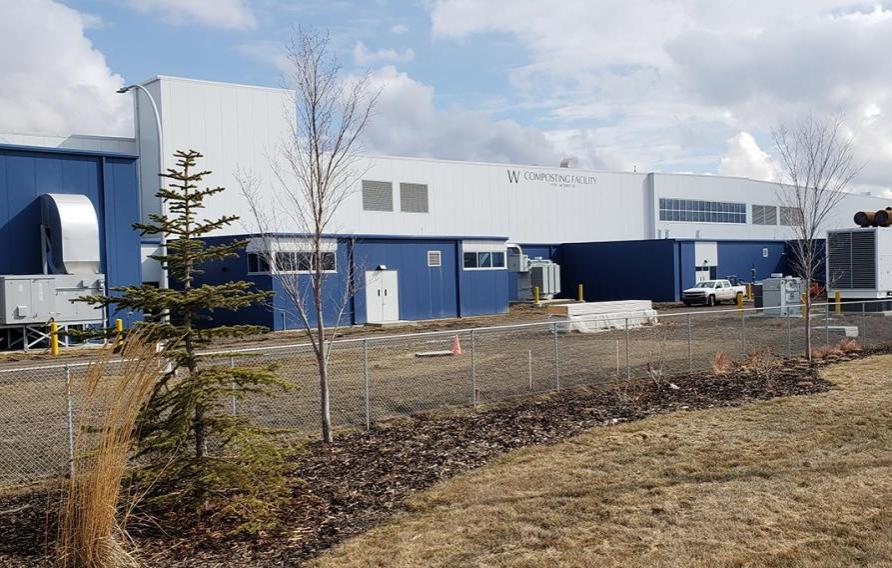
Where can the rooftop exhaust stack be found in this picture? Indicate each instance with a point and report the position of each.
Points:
(69, 234)
(569, 162)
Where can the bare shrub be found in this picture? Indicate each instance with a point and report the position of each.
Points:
(849, 345)
(721, 363)
(91, 516)
(763, 364)
(825, 352)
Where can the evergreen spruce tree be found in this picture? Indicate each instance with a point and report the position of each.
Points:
(198, 453)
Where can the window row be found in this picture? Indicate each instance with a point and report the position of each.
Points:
(702, 217)
(378, 196)
(298, 262)
(484, 259)
(694, 205)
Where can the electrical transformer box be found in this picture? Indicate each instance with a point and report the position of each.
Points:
(32, 299)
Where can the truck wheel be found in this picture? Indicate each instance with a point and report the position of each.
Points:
(710, 301)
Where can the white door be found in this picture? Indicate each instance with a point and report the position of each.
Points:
(382, 296)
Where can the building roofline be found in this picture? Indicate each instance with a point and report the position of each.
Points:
(157, 78)
(63, 150)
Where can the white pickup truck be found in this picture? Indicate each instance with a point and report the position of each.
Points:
(711, 292)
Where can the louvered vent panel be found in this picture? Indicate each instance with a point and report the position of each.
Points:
(377, 195)
(864, 268)
(413, 197)
(839, 247)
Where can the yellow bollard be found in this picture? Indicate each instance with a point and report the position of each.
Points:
(581, 295)
(536, 294)
(740, 301)
(119, 331)
(749, 291)
(54, 338)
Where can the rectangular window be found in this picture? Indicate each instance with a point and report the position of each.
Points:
(470, 260)
(377, 195)
(694, 211)
(287, 261)
(498, 260)
(413, 198)
(434, 258)
(329, 262)
(257, 263)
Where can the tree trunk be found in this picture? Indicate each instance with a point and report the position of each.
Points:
(324, 404)
(807, 315)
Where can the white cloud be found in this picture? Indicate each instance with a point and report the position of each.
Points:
(407, 123)
(227, 14)
(399, 29)
(363, 57)
(745, 159)
(54, 81)
(664, 85)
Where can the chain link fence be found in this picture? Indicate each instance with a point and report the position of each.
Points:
(378, 378)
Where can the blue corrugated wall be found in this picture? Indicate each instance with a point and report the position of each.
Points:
(739, 258)
(109, 181)
(424, 292)
(621, 270)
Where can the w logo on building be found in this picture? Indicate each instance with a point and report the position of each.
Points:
(513, 176)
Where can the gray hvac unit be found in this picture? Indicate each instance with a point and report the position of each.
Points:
(33, 299)
(69, 234)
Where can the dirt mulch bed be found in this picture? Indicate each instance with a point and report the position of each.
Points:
(363, 478)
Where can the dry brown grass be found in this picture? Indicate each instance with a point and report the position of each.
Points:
(721, 363)
(798, 481)
(91, 516)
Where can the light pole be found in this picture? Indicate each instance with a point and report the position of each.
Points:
(162, 245)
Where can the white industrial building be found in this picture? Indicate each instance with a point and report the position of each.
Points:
(446, 228)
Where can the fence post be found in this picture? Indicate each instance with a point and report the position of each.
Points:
(365, 381)
(628, 368)
(557, 359)
(473, 370)
(789, 336)
(530, 367)
(690, 347)
(864, 323)
(70, 416)
(743, 334)
(232, 386)
(827, 323)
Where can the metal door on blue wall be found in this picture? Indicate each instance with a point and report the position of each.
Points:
(382, 296)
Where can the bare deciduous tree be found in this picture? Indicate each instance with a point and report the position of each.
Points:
(817, 165)
(315, 171)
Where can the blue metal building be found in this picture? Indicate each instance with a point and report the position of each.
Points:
(108, 179)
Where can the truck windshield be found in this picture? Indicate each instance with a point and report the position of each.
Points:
(707, 284)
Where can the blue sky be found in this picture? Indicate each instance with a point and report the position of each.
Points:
(678, 85)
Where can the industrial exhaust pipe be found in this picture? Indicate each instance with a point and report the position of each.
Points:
(864, 218)
(881, 218)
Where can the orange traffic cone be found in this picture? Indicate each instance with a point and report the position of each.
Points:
(456, 346)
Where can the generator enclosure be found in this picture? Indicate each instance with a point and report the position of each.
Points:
(35, 299)
(859, 265)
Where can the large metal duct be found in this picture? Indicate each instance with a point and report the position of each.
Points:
(70, 234)
(881, 218)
